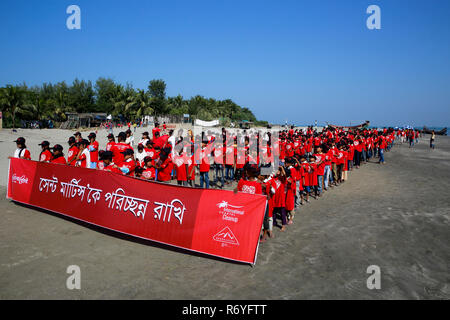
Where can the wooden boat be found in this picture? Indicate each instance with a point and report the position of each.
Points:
(442, 132)
(359, 126)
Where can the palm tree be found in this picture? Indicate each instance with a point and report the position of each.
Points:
(12, 100)
(139, 105)
(123, 101)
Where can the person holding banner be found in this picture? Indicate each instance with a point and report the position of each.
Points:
(21, 151)
(83, 158)
(149, 172)
(111, 142)
(73, 151)
(128, 164)
(93, 149)
(58, 155)
(204, 165)
(46, 155)
(106, 163)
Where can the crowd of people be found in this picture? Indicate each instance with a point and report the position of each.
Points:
(290, 169)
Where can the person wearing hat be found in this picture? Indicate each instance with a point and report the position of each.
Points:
(21, 151)
(128, 164)
(93, 149)
(58, 155)
(120, 147)
(73, 151)
(111, 142)
(78, 136)
(107, 163)
(46, 155)
(84, 157)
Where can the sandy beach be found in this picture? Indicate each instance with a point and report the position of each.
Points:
(395, 216)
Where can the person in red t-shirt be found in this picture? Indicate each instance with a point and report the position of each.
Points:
(268, 187)
(156, 131)
(128, 164)
(320, 162)
(22, 151)
(290, 195)
(120, 147)
(249, 183)
(164, 165)
(307, 177)
(280, 198)
(179, 161)
(58, 156)
(313, 183)
(111, 142)
(107, 164)
(46, 155)
(149, 172)
(340, 160)
(93, 149)
(73, 151)
(202, 158)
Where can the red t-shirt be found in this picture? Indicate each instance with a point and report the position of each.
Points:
(46, 156)
(202, 155)
(279, 199)
(130, 164)
(247, 186)
(306, 173)
(25, 154)
(72, 154)
(109, 168)
(117, 149)
(165, 173)
(320, 167)
(60, 160)
(155, 130)
(180, 167)
(94, 151)
(358, 146)
(109, 145)
(149, 173)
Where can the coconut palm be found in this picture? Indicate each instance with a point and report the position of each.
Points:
(12, 100)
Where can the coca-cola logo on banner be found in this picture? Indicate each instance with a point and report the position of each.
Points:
(20, 180)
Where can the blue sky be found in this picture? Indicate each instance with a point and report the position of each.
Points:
(285, 60)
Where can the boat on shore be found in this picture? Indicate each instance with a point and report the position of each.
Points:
(359, 126)
(442, 132)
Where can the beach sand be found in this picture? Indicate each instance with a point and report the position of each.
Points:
(395, 216)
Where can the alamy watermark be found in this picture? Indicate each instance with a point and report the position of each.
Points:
(74, 20)
(374, 20)
(74, 280)
(374, 280)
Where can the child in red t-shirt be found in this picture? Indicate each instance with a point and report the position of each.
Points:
(249, 183)
(290, 195)
(280, 198)
(307, 172)
(268, 185)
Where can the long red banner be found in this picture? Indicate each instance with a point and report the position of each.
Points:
(214, 222)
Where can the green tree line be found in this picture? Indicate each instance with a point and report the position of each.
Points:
(52, 101)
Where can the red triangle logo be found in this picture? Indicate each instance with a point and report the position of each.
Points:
(226, 236)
